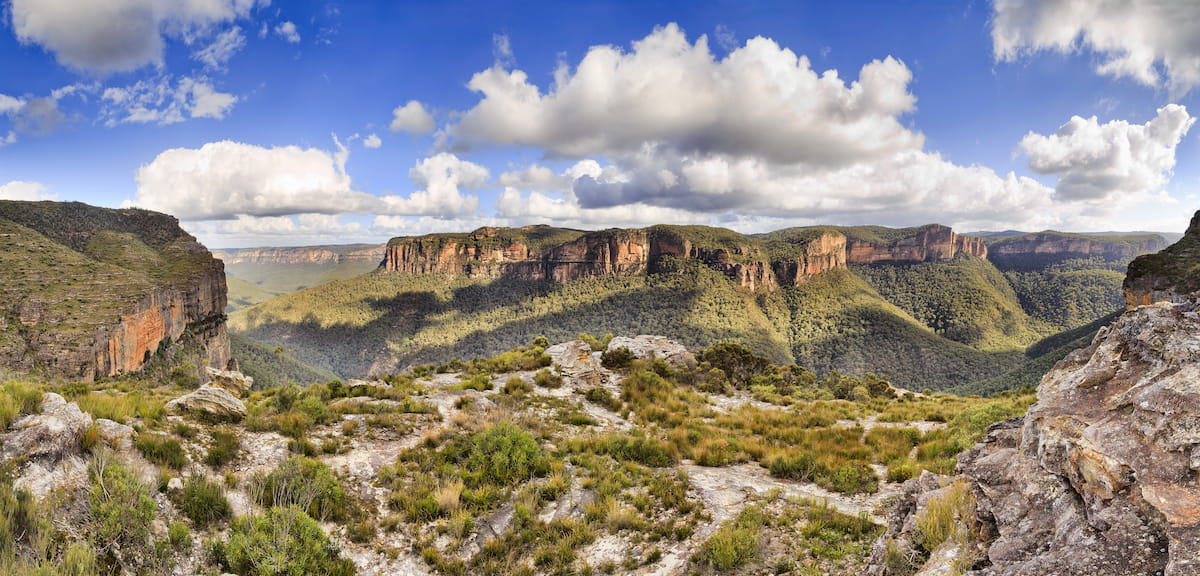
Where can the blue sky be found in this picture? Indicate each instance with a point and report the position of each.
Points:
(273, 123)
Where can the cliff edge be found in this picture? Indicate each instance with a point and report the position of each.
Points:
(93, 292)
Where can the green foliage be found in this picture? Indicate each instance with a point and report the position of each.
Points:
(272, 367)
(204, 502)
(224, 449)
(737, 362)
(284, 541)
(161, 449)
(736, 542)
(178, 535)
(516, 386)
(307, 483)
(617, 358)
(547, 379)
(119, 508)
(504, 454)
(17, 399)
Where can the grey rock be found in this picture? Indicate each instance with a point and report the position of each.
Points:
(654, 347)
(211, 401)
(116, 435)
(232, 382)
(52, 434)
(1098, 479)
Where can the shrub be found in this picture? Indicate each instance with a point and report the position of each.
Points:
(645, 451)
(204, 502)
(162, 450)
(480, 382)
(178, 535)
(547, 379)
(293, 424)
(504, 454)
(517, 386)
(224, 448)
(736, 543)
(603, 398)
(802, 467)
(949, 514)
(283, 542)
(317, 410)
(849, 478)
(307, 483)
(617, 358)
(119, 509)
(901, 470)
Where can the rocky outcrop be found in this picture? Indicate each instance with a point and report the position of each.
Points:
(661, 347)
(579, 365)
(1075, 245)
(1100, 476)
(235, 383)
(210, 402)
(823, 253)
(52, 434)
(304, 254)
(929, 243)
(1170, 275)
(94, 292)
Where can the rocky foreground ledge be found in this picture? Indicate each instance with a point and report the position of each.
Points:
(1099, 478)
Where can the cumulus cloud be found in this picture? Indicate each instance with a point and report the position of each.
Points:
(412, 118)
(761, 100)
(910, 187)
(372, 141)
(1131, 37)
(19, 190)
(442, 178)
(1096, 162)
(287, 31)
(117, 35)
(9, 104)
(300, 229)
(38, 116)
(223, 48)
(228, 180)
(165, 101)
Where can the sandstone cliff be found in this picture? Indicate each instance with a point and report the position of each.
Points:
(372, 253)
(1169, 275)
(927, 243)
(757, 262)
(92, 292)
(1041, 248)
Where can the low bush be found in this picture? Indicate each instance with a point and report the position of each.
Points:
(547, 379)
(517, 386)
(120, 509)
(161, 449)
(307, 483)
(736, 543)
(504, 454)
(224, 449)
(204, 502)
(284, 541)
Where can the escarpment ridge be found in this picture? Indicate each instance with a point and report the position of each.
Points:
(93, 292)
(784, 257)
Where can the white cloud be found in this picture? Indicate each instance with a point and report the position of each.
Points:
(217, 54)
(502, 49)
(1096, 162)
(11, 138)
(761, 100)
(287, 31)
(372, 141)
(162, 101)
(910, 187)
(1130, 36)
(37, 116)
(117, 35)
(443, 177)
(9, 104)
(299, 230)
(19, 190)
(412, 118)
(227, 180)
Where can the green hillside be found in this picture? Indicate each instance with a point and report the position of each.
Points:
(379, 322)
(273, 367)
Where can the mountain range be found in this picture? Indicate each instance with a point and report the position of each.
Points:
(969, 310)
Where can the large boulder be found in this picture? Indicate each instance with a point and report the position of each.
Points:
(51, 434)
(235, 383)
(1099, 477)
(644, 346)
(578, 364)
(212, 402)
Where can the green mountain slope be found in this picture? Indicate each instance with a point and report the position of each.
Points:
(381, 322)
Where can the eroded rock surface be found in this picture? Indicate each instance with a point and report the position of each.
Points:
(1100, 478)
(235, 383)
(644, 346)
(212, 401)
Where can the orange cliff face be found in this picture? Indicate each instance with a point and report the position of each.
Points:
(164, 315)
(495, 253)
(933, 243)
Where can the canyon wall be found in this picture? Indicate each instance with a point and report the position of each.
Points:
(754, 263)
(94, 292)
(303, 255)
(1170, 275)
(933, 242)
